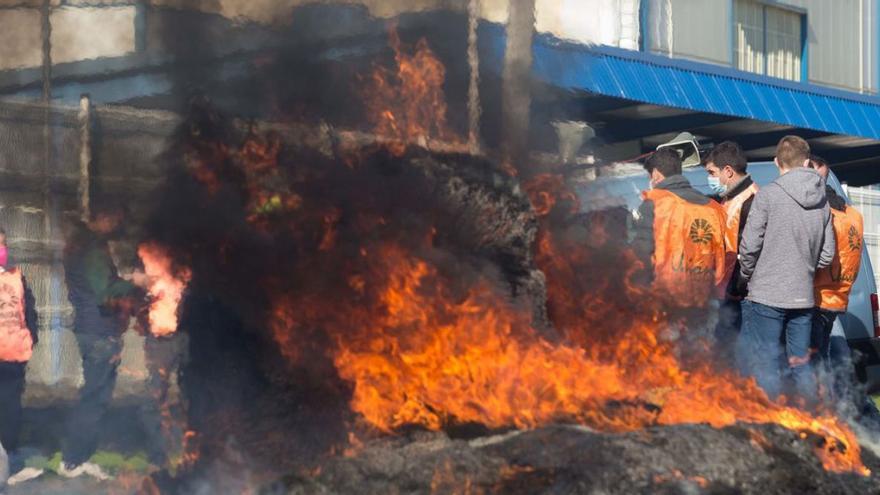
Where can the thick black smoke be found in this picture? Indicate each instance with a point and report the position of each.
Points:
(298, 234)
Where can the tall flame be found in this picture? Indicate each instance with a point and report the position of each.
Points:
(408, 105)
(166, 286)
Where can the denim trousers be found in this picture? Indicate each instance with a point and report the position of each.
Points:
(727, 330)
(823, 321)
(11, 389)
(760, 348)
(100, 361)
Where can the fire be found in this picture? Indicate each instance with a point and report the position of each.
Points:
(165, 287)
(429, 361)
(189, 454)
(433, 360)
(408, 105)
(420, 350)
(422, 344)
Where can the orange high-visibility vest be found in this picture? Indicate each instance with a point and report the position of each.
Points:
(834, 282)
(16, 344)
(733, 209)
(689, 249)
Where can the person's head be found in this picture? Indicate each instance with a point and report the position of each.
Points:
(2, 237)
(792, 152)
(106, 217)
(820, 165)
(726, 164)
(663, 163)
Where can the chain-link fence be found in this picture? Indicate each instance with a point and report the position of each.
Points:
(39, 172)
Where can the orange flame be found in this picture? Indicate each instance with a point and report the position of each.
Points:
(421, 349)
(431, 360)
(408, 105)
(166, 286)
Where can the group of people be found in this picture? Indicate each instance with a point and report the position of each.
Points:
(781, 259)
(104, 303)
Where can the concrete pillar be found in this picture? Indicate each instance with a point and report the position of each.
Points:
(516, 82)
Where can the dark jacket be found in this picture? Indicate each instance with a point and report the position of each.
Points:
(30, 310)
(788, 235)
(835, 201)
(93, 285)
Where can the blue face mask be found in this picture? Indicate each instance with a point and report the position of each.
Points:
(715, 185)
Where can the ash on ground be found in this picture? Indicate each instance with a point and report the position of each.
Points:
(564, 459)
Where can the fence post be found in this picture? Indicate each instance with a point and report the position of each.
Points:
(85, 155)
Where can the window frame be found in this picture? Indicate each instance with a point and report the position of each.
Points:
(804, 76)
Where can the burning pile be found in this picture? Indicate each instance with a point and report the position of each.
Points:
(408, 279)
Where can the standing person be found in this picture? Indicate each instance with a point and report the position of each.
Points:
(834, 282)
(680, 237)
(833, 286)
(17, 337)
(99, 298)
(787, 236)
(735, 189)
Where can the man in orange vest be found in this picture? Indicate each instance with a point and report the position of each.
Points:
(680, 236)
(727, 166)
(17, 322)
(833, 283)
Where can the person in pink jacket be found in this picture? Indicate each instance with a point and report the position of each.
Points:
(17, 337)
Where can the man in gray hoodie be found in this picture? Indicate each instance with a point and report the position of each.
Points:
(787, 236)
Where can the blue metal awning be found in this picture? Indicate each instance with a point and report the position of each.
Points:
(700, 87)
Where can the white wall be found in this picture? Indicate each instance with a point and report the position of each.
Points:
(603, 22)
(78, 33)
(693, 29)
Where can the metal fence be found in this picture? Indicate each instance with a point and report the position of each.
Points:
(867, 201)
(39, 177)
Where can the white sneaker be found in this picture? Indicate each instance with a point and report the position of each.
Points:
(25, 474)
(87, 468)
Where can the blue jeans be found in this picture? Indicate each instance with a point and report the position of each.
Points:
(727, 329)
(823, 321)
(760, 352)
(100, 362)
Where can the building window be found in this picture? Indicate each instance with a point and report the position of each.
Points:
(768, 39)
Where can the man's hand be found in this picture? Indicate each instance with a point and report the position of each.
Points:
(138, 278)
(742, 287)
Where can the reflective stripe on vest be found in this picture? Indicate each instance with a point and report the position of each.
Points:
(833, 283)
(689, 249)
(733, 210)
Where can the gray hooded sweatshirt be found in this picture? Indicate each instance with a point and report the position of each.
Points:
(787, 236)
